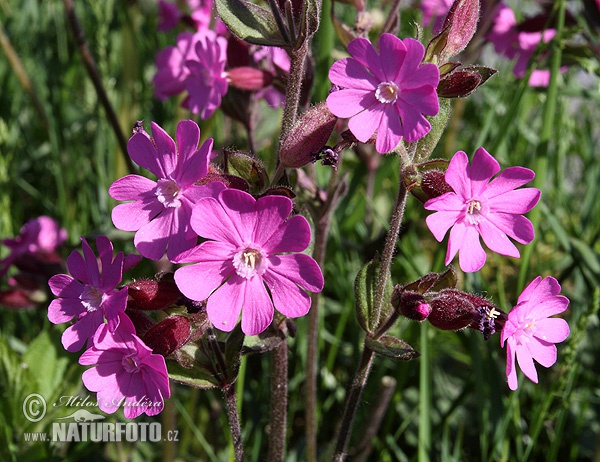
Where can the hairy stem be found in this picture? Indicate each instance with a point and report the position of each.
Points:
(312, 353)
(293, 89)
(278, 410)
(352, 400)
(234, 421)
(92, 70)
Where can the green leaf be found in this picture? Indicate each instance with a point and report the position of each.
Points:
(247, 167)
(391, 347)
(43, 360)
(193, 368)
(250, 22)
(364, 295)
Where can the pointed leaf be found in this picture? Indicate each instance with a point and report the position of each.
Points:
(391, 347)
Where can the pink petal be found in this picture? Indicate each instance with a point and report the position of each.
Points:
(349, 73)
(509, 179)
(393, 52)
(298, 268)
(193, 162)
(448, 202)
(195, 193)
(91, 264)
(516, 226)
(543, 352)
(554, 330)
(63, 285)
(142, 152)
(425, 75)
(415, 126)
(511, 370)
(525, 362)
(166, 150)
(411, 62)
(131, 187)
(152, 238)
(133, 215)
(225, 304)
(114, 305)
(472, 256)
(555, 305)
(77, 268)
(348, 103)
(257, 309)
(242, 208)
(496, 240)
(291, 236)
(182, 237)
(364, 124)
(439, 223)
(289, 299)
(121, 338)
(64, 309)
(390, 130)
(420, 100)
(456, 175)
(363, 51)
(271, 213)
(481, 170)
(211, 221)
(198, 281)
(82, 331)
(516, 202)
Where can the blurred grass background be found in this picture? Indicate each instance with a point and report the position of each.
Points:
(453, 404)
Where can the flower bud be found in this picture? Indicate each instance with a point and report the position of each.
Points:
(307, 136)
(249, 78)
(463, 82)
(461, 23)
(451, 310)
(168, 335)
(410, 304)
(16, 299)
(148, 294)
(433, 184)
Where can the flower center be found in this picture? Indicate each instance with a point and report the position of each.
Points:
(167, 192)
(473, 211)
(91, 298)
(249, 263)
(387, 92)
(131, 363)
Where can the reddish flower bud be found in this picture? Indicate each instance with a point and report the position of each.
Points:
(433, 184)
(249, 78)
(148, 294)
(141, 321)
(168, 335)
(307, 136)
(16, 299)
(463, 82)
(410, 304)
(461, 23)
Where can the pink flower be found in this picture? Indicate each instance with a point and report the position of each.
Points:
(207, 81)
(38, 236)
(126, 372)
(168, 16)
(480, 207)
(276, 61)
(248, 238)
(172, 71)
(91, 294)
(387, 92)
(435, 10)
(530, 333)
(161, 210)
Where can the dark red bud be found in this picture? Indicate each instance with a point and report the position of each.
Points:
(451, 310)
(463, 82)
(307, 136)
(410, 304)
(433, 184)
(168, 335)
(249, 78)
(149, 294)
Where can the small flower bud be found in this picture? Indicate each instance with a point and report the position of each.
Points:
(148, 294)
(433, 184)
(463, 82)
(410, 304)
(249, 78)
(168, 335)
(307, 136)
(462, 23)
(451, 310)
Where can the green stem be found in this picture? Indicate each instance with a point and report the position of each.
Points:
(278, 408)
(234, 421)
(92, 70)
(352, 400)
(312, 353)
(424, 397)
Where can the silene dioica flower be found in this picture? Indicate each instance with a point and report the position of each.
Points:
(480, 207)
(127, 373)
(530, 333)
(245, 266)
(89, 295)
(389, 92)
(161, 210)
